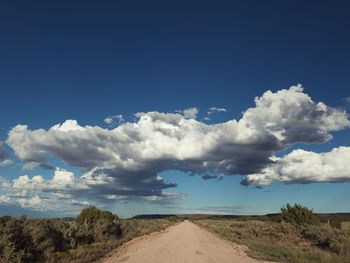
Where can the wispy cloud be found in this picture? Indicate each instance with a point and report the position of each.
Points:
(114, 120)
(215, 109)
(190, 113)
(6, 162)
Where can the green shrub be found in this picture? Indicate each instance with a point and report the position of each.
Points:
(8, 250)
(91, 214)
(172, 218)
(105, 229)
(46, 237)
(16, 243)
(299, 215)
(95, 225)
(335, 222)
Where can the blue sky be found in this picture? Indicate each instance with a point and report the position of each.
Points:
(87, 61)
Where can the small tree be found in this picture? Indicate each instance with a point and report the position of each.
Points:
(94, 225)
(299, 215)
(91, 214)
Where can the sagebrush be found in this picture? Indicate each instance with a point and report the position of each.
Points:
(92, 234)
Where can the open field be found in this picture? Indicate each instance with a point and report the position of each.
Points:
(285, 242)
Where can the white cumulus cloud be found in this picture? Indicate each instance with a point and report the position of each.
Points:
(126, 160)
(302, 166)
(5, 199)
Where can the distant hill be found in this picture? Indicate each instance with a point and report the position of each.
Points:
(191, 216)
(342, 216)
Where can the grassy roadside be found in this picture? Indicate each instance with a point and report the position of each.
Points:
(285, 242)
(131, 228)
(85, 239)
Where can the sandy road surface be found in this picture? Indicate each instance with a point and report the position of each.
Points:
(182, 243)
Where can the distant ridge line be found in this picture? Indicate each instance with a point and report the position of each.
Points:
(345, 216)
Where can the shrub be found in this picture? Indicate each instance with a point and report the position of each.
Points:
(95, 225)
(105, 229)
(89, 237)
(299, 215)
(328, 238)
(8, 250)
(335, 222)
(172, 218)
(16, 243)
(46, 237)
(91, 214)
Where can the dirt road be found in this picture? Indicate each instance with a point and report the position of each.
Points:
(182, 243)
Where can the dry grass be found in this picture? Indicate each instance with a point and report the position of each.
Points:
(285, 242)
(131, 228)
(345, 225)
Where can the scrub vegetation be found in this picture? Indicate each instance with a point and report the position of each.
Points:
(85, 239)
(295, 235)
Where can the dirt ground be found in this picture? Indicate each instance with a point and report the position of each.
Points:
(181, 243)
